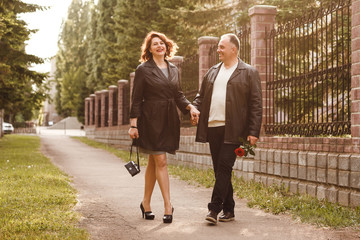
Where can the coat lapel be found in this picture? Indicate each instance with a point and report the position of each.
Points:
(241, 66)
(173, 74)
(157, 72)
(217, 67)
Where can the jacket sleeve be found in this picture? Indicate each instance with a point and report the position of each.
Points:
(180, 99)
(137, 93)
(197, 102)
(255, 104)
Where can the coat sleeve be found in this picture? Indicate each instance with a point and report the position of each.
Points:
(197, 102)
(255, 104)
(137, 93)
(180, 99)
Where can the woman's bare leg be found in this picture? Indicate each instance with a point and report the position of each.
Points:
(150, 179)
(162, 177)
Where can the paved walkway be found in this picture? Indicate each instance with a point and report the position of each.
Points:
(109, 201)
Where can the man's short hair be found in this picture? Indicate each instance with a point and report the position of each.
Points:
(233, 39)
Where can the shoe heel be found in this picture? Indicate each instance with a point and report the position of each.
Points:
(147, 215)
(142, 209)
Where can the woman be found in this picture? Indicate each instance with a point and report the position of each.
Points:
(154, 119)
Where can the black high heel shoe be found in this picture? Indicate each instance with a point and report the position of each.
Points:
(147, 215)
(168, 218)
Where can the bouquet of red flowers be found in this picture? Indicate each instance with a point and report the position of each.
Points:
(245, 148)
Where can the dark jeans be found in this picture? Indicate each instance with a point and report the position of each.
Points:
(223, 157)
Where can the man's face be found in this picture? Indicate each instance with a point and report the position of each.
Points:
(226, 49)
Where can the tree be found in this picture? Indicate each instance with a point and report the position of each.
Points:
(106, 44)
(115, 29)
(71, 60)
(21, 90)
(133, 20)
(92, 67)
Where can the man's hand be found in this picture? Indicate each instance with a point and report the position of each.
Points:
(194, 113)
(252, 140)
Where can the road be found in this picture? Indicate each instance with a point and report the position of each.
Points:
(109, 198)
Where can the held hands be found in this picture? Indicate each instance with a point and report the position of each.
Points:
(194, 113)
(252, 140)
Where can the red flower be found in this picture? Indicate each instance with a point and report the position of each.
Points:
(240, 152)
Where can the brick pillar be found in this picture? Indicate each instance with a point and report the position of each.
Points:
(261, 17)
(104, 108)
(92, 109)
(121, 98)
(205, 43)
(132, 76)
(177, 61)
(97, 107)
(355, 69)
(112, 110)
(87, 112)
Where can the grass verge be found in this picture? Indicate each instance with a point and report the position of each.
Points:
(36, 200)
(274, 199)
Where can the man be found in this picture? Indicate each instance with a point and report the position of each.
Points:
(230, 107)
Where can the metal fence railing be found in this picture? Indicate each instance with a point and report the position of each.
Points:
(308, 78)
(245, 44)
(189, 81)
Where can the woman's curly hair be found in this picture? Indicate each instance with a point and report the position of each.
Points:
(171, 47)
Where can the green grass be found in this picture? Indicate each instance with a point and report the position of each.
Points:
(274, 199)
(36, 199)
(124, 155)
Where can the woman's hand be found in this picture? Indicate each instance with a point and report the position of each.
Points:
(194, 113)
(133, 133)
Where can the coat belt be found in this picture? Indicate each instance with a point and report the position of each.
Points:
(171, 108)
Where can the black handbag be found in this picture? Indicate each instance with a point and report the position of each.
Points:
(131, 166)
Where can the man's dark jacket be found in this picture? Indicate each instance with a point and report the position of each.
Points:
(154, 101)
(243, 103)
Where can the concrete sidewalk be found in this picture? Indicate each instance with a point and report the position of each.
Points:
(109, 200)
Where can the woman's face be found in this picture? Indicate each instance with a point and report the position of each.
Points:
(157, 47)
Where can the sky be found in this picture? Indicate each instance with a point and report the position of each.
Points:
(48, 22)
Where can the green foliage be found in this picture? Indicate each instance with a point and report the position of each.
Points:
(106, 42)
(133, 20)
(73, 92)
(291, 9)
(105, 38)
(71, 61)
(311, 63)
(36, 199)
(21, 90)
(124, 155)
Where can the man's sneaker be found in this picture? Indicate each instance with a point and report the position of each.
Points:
(227, 217)
(211, 217)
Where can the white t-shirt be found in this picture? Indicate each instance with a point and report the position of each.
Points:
(218, 99)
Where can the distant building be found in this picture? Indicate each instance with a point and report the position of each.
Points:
(49, 114)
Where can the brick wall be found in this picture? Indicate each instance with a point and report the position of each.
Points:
(323, 167)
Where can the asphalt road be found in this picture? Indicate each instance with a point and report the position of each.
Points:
(109, 201)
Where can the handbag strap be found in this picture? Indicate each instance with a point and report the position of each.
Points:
(137, 152)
